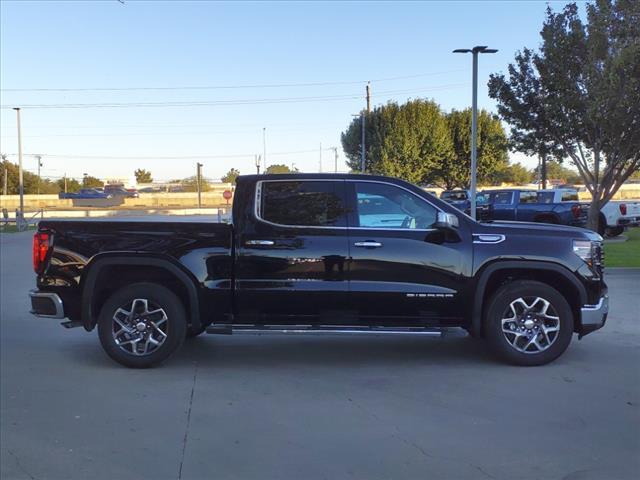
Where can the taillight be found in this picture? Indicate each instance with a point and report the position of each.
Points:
(577, 211)
(40, 249)
(623, 208)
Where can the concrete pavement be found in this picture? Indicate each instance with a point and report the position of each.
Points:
(273, 407)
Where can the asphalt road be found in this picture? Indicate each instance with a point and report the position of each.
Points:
(271, 407)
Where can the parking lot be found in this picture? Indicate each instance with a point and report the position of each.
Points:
(247, 407)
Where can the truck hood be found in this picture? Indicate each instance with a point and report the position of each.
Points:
(546, 229)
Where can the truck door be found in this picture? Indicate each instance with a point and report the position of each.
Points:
(291, 261)
(401, 267)
(503, 206)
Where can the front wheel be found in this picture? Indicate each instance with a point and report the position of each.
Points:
(141, 325)
(528, 323)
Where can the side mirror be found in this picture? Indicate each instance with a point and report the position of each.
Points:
(446, 220)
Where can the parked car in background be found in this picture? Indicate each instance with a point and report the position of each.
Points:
(120, 191)
(525, 206)
(85, 193)
(461, 199)
(322, 253)
(614, 216)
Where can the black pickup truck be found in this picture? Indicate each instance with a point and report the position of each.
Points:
(322, 254)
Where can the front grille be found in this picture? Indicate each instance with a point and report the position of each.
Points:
(597, 257)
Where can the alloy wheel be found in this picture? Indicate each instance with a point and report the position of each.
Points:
(140, 327)
(530, 324)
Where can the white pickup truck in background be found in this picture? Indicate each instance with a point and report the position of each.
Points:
(614, 216)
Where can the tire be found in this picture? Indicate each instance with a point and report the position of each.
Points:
(551, 333)
(156, 332)
(614, 231)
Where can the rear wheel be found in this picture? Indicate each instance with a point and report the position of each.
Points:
(528, 323)
(141, 325)
(614, 231)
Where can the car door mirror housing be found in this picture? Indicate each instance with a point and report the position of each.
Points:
(446, 220)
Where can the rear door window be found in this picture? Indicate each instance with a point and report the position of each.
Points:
(302, 203)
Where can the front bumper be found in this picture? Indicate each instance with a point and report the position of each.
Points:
(594, 316)
(46, 304)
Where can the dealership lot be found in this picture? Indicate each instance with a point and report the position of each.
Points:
(244, 407)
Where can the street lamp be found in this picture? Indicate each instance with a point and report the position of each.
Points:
(474, 118)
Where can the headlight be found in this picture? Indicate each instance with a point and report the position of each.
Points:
(582, 248)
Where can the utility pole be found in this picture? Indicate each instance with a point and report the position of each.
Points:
(320, 164)
(362, 141)
(198, 183)
(65, 182)
(6, 173)
(474, 119)
(38, 158)
(264, 147)
(19, 221)
(368, 97)
(335, 159)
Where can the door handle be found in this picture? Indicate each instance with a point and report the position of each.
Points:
(368, 244)
(259, 243)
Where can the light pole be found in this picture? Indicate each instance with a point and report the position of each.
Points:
(474, 119)
(39, 159)
(20, 175)
(198, 183)
(264, 146)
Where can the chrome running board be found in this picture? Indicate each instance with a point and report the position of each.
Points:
(226, 329)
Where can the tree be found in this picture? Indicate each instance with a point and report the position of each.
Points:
(279, 168)
(91, 182)
(406, 141)
(190, 184)
(515, 174)
(556, 171)
(454, 171)
(230, 176)
(30, 180)
(73, 185)
(143, 176)
(581, 92)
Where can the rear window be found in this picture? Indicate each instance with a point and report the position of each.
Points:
(454, 196)
(545, 197)
(528, 197)
(302, 203)
(570, 196)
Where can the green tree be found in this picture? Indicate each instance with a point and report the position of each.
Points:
(555, 171)
(492, 147)
(143, 176)
(30, 180)
(515, 173)
(279, 168)
(581, 91)
(230, 176)
(406, 141)
(91, 182)
(73, 185)
(190, 184)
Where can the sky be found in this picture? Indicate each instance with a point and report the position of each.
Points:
(220, 77)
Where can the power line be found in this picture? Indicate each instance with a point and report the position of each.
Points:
(258, 101)
(164, 157)
(229, 87)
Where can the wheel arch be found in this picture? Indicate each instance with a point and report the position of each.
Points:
(103, 263)
(492, 276)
